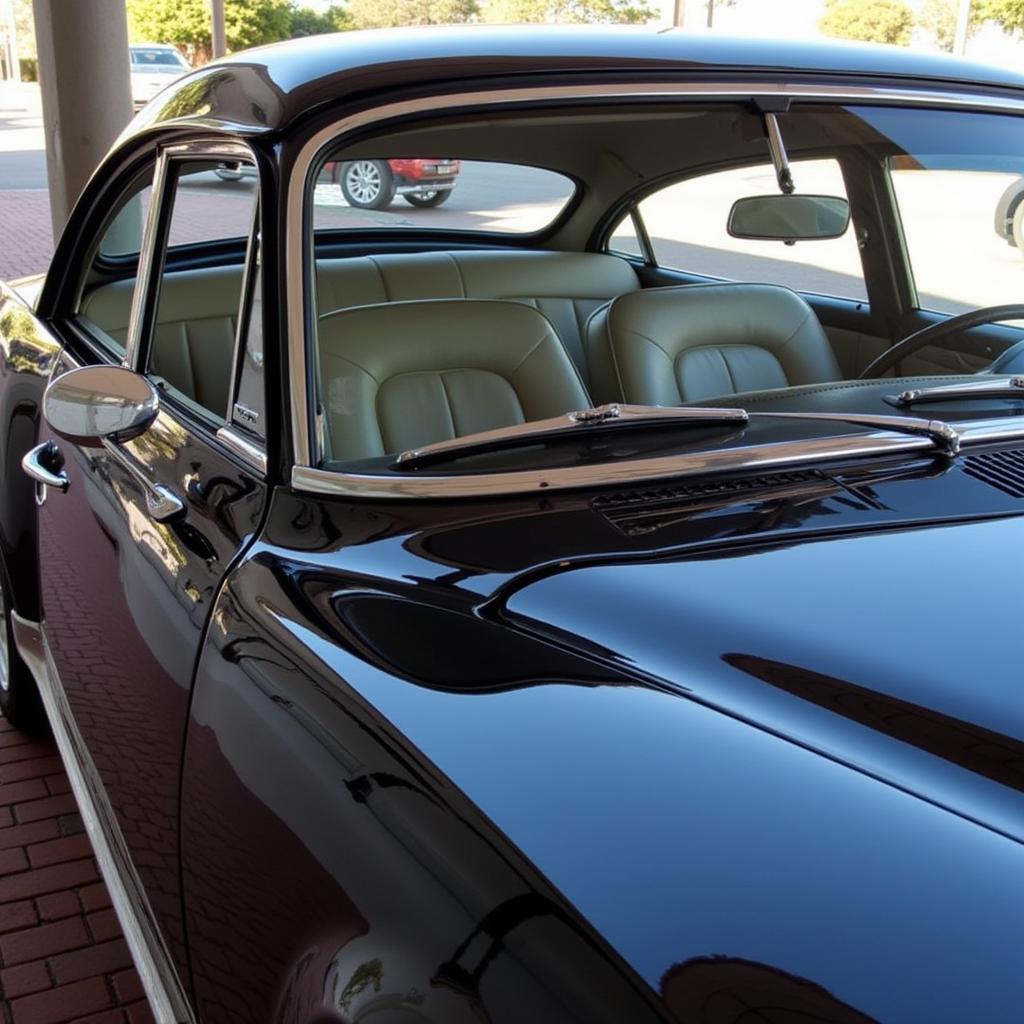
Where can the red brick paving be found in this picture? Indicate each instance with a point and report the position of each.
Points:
(62, 957)
(26, 236)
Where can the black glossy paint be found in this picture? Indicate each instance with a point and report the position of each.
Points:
(125, 599)
(267, 89)
(733, 758)
(689, 752)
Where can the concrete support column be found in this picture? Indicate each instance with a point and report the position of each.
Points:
(86, 90)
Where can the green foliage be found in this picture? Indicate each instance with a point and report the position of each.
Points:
(187, 23)
(569, 12)
(392, 13)
(938, 18)
(1008, 13)
(307, 22)
(870, 21)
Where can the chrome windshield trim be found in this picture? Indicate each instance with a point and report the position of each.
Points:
(997, 387)
(164, 990)
(717, 460)
(555, 426)
(298, 249)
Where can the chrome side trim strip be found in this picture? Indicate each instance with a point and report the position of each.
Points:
(244, 449)
(718, 460)
(160, 981)
(297, 253)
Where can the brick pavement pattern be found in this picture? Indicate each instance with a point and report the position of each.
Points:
(26, 235)
(62, 956)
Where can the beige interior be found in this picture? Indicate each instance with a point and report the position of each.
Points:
(664, 346)
(194, 340)
(404, 374)
(198, 308)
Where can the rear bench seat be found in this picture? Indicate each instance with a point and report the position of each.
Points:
(198, 308)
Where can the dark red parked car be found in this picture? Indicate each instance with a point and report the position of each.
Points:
(373, 184)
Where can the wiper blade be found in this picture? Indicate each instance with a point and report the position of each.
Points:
(601, 417)
(998, 387)
(945, 437)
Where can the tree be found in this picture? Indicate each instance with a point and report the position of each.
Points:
(187, 23)
(870, 21)
(570, 12)
(938, 18)
(392, 13)
(1008, 13)
(307, 22)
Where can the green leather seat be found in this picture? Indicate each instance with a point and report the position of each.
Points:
(400, 375)
(667, 346)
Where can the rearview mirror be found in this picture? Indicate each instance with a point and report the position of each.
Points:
(96, 403)
(789, 218)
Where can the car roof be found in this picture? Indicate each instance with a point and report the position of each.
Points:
(266, 89)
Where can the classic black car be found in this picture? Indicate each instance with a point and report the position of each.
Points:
(590, 601)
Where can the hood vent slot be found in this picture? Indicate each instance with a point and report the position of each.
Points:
(1003, 470)
(715, 490)
(642, 511)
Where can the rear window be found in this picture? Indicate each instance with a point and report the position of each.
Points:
(438, 193)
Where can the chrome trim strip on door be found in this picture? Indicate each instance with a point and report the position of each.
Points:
(163, 988)
(299, 254)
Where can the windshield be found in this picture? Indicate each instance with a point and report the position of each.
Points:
(156, 57)
(630, 285)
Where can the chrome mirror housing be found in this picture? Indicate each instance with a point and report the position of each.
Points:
(94, 404)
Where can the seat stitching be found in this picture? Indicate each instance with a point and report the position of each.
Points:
(448, 402)
(383, 280)
(544, 337)
(458, 273)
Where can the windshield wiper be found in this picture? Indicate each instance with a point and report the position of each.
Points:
(942, 434)
(601, 417)
(998, 387)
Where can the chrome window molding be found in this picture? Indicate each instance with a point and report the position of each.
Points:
(164, 990)
(300, 256)
(247, 450)
(143, 283)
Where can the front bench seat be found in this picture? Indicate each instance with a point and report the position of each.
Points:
(400, 375)
(667, 346)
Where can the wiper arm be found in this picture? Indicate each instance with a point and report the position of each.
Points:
(998, 387)
(583, 421)
(942, 434)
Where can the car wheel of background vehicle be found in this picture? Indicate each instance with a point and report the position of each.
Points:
(428, 198)
(19, 697)
(367, 184)
(1018, 228)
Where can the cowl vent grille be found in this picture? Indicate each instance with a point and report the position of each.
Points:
(1003, 470)
(713, 490)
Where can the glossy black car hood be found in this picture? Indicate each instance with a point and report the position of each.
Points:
(808, 763)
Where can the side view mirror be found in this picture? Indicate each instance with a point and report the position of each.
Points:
(789, 218)
(94, 404)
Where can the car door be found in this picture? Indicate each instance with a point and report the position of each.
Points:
(134, 547)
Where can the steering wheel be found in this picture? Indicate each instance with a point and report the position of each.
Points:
(936, 332)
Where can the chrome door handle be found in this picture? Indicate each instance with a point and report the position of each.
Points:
(32, 464)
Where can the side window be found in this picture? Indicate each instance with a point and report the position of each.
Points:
(686, 222)
(106, 301)
(192, 342)
(968, 253)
